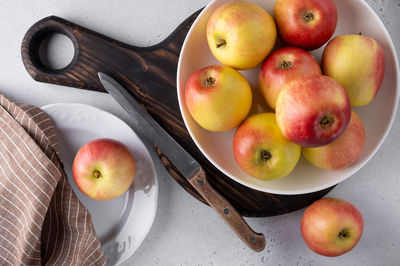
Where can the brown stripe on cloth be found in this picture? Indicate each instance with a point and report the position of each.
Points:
(42, 222)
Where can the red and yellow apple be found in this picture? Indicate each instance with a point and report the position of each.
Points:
(305, 23)
(282, 66)
(260, 149)
(241, 34)
(342, 152)
(357, 62)
(103, 169)
(312, 110)
(331, 227)
(218, 97)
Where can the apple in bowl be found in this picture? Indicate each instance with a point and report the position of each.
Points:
(260, 149)
(308, 24)
(312, 110)
(218, 97)
(241, 34)
(282, 66)
(357, 62)
(342, 152)
(103, 169)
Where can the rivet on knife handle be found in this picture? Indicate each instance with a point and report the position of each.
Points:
(253, 240)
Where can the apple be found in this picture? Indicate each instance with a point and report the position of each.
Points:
(260, 149)
(308, 24)
(103, 169)
(331, 227)
(241, 34)
(357, 62)
(282, 66)
(312, 110)
(342, 152)
(218, 97)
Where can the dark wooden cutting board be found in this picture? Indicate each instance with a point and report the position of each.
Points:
(149, 73)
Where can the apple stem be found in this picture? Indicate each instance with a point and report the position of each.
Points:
(308, 16)
(265, 155)
(326, 121)
(222, 43)
(344, 234)
(285, 64)
(96, 174)
(210, 81)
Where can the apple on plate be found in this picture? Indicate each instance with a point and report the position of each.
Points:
(331, 227)
(241, 34)
(260, 149)
(312, 110)
(357, 62)
(342, 152)
(218, 97)
(308, 24)
(282, 66)
(103, 169)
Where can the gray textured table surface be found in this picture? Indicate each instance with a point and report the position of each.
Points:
(186, 232)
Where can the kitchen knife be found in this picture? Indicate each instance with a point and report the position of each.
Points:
(183, 161)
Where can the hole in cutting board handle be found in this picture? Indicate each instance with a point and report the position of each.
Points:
(56, 51)
(51, 49)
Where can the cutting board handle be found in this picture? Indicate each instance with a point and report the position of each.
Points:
(82, 71)
(94, 52)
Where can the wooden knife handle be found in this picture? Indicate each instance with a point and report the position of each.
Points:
(253, 240)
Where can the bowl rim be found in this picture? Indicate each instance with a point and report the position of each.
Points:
(299, 191)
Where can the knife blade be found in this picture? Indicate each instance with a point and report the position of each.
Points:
(183, 161)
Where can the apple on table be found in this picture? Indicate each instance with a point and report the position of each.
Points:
(331, 227)
(103, 169)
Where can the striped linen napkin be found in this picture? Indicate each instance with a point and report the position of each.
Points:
(42, 221)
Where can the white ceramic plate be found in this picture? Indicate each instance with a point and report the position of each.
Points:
(121, 223)
(353, 17)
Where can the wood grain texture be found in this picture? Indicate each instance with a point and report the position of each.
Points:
(149, 73)
(226, 211)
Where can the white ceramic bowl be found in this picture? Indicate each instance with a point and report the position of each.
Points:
(353, 17)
